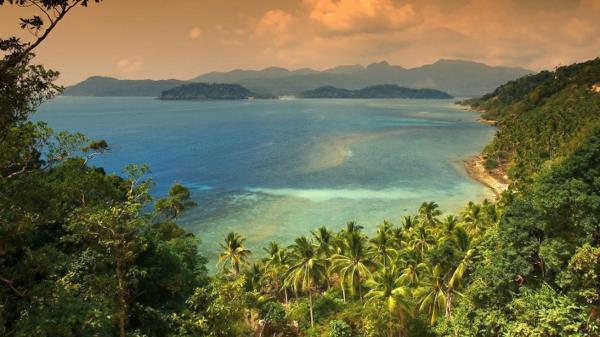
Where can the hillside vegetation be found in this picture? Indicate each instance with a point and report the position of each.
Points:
(375, 91)
(206, 91)
(541, 117)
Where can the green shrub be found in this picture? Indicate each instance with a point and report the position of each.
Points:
(339, 328)
(273, 313)
(490, 164)
(298, 311)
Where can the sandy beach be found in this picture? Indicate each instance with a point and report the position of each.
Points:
(495, 181)
(477, 171)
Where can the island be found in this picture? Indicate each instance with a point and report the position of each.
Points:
(375, 91)
(210, 91)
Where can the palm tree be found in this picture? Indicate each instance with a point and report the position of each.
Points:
(421, 241)
(412, 269)
(431, 294)
(428, 213)
(490, 211)
(325, 248)
(276, 263)
(272, 249)
(461, 239)
(386, 286)
(473, 218)
(456, 279)
(463, 243)
(234, 253)
(306, 269)
(401, 233)
(324, 240)
(408, 222)
(380, 247)
(445, 232)
(351, 228)
(353, 266)
(449, 224)
(254, 277)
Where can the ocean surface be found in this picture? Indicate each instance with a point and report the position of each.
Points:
(276, 169)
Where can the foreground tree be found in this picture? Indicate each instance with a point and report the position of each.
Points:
(306, 270)
(381, 246)
(353, 266)
(276, 264)
(428, 213)
(431, 294)
(234, 253)
(115, 232)
(387, 287)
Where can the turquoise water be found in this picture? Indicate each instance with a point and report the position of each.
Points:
(276, 169)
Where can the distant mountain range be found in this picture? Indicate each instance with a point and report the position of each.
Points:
(107, 86)
(375, 91)
(456, 77)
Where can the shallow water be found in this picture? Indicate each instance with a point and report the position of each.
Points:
(276, 169)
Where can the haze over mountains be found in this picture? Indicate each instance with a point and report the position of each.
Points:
(456, 77)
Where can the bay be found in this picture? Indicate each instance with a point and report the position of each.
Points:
(276, 169)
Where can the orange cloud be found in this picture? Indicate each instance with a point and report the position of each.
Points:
(362, 16)
(195, 33)
(276, 26)
(536, 34)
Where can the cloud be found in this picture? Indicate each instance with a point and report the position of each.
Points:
(277, 26)
(361, 16)
(323, 33)
(195, 33)
(128, 66)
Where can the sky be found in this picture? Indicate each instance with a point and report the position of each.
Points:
(157, 39)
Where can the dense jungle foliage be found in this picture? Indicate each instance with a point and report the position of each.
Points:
(206, 91)
(85, 253)
(541, 117)
(375, 91)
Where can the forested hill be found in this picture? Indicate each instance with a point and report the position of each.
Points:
(375, 91)
(207, 91)
(107, 86)
(541, 116)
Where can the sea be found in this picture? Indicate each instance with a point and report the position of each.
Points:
(274, 170)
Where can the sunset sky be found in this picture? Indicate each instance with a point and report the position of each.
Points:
(184, 38)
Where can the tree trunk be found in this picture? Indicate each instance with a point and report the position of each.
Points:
(286, 295)
(312, 321)
(360, 289)
(343, 291)
(390, 323)
(402, 322)
(449, 304)
(121, 294)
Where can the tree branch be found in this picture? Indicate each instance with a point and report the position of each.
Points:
(9, 283)
(14, 59)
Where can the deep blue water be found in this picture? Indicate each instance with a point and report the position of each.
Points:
(275, 169)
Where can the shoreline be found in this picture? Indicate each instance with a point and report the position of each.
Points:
(495, 181)
(476, 170)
